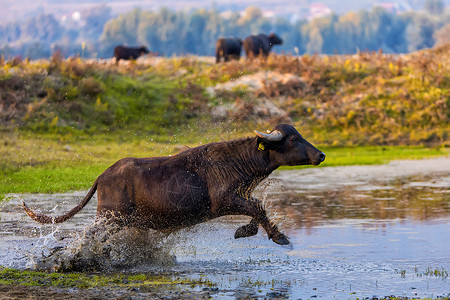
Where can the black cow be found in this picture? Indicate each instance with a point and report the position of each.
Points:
(196, 185)
(127, 53)
(228, 48)
(255, 45)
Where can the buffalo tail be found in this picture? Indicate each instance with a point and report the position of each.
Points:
(41, 218)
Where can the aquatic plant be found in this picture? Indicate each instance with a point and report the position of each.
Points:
(430, 271)
(10, 276)
(438, 272)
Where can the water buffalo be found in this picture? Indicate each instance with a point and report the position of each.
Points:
(126, 53)
(228, 48)
(255, 45)
(196, 185)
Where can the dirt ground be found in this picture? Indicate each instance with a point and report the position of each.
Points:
(53, 293)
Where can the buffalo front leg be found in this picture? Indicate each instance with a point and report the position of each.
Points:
(255, 209)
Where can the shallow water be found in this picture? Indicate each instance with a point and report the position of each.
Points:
(355, 232)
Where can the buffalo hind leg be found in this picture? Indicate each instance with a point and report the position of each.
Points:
(254, 208)
(248, 230)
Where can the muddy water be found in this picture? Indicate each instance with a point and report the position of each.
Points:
(355, 232)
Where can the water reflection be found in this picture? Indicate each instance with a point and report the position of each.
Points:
(398, 202)
(418, 198)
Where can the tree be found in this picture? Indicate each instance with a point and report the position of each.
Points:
(251, 14)
(194, 41)
(419, 33)
(395, 38)
(48, 31)
(434, 7)
(296, 38)
(315, 40)
(290, 36)
(195, 32)
(214, 29)
(252, 21)
(348, 31)
(121, 31)
(442, 36)
(95, 19)
(37, 50)
(326, 26)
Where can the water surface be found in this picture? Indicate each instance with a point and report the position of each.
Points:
(355, 232)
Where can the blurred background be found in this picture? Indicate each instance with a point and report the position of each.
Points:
(92, 28)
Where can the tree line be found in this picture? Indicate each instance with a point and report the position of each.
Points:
(168, 32)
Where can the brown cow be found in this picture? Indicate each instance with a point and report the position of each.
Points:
(129, 53)
(228, 48)
(260, 44)
(197, 185)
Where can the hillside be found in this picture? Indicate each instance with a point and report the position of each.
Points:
(364, 99)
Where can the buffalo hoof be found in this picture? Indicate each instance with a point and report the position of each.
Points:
(281, 239)
(246, 231)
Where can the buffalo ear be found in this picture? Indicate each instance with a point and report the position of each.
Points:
(263, 145)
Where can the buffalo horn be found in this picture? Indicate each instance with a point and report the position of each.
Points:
(274, 136)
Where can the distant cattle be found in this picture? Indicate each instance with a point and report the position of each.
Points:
(197, 185)
(228, 48)
(260, 44)
(126, 53)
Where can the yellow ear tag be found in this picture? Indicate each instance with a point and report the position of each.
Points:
(261, 147)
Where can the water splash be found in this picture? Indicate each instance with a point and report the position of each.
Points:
(106, 246)
(264, 193)
(8, 198)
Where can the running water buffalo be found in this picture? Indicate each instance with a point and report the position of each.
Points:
(127, 53)
(228, 48)
(255, 45)
(196, 185)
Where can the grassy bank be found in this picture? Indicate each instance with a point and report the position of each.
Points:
(45, 164)
(364, 99)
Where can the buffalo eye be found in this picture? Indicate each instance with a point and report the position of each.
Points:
(294, 139)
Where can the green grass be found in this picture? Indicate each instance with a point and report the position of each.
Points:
(51, 179)
(370, 155)
(49, 164)
(82, 280)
